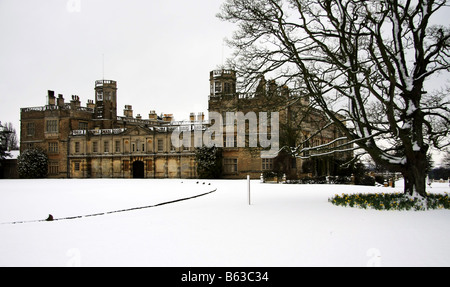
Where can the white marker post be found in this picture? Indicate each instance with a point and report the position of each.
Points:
(248, 188)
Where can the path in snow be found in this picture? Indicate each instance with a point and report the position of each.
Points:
(111, 212)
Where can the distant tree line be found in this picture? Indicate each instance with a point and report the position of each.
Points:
(9, 132)
(442, 172)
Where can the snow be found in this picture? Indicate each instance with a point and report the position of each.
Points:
(13, 154)
(416, 147)
(411, 109)
(286, 225)
(393, 159)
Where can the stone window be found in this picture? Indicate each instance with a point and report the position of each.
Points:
(52, 126)
(106, 146)
(53, 167)
(230, 165)
(95, 147)
(218, 86)
(117, 146)
(227, 88)
(267, 164)
(83, 126)
(230, 141)
(53, 147)
(77, 147)
(160, 145)
(100, 96)
(30, 129)
(186, 143)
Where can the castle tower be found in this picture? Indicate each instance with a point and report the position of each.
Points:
(106, 102)
(223, 83)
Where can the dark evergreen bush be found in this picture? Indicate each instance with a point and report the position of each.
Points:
(209, 162)
(33, 163)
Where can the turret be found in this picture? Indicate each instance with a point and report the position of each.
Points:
(106, 100)
(223, 83)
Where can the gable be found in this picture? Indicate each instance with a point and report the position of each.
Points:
(137, 131)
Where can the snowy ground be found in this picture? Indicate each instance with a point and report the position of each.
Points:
(286, 225)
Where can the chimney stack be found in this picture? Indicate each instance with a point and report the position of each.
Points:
(168, 117)
(75, 102)
(51, 98)
(128, 111)
(90, 104)
(60, 100)
(152, 115)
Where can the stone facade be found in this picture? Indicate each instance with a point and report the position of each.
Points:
(135, 152)
(49, 128)
(93, 142)
(298, 123)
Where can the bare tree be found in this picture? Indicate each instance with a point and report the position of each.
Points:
(13, 143)
(3, 143)
(364, 63)
(446, 160)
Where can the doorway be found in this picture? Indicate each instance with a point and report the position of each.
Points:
(138, 169)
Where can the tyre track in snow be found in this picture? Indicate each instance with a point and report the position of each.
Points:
(111, 212)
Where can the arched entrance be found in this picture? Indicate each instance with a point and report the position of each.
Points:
(138, 169)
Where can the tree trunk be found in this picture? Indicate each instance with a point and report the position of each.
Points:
(409, 186)
(415, 176)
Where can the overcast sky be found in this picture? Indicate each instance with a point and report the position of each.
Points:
(159, 52)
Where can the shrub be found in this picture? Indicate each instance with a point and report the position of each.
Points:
(33, 163)
(323, 180)
(209, 162)
(272, 174)
(392, 201)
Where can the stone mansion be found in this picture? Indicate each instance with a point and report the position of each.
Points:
(92, 141)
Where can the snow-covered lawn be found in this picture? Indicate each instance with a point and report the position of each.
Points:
(286, 225)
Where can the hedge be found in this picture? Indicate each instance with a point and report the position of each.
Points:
(392, 201)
